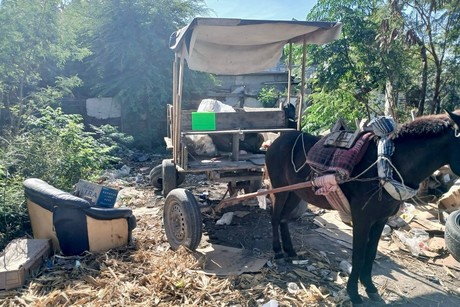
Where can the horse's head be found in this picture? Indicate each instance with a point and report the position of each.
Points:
(454, 146)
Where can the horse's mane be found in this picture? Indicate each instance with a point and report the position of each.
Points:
(425, 126)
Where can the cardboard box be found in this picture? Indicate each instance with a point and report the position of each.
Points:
(21, 259)
(96, 194)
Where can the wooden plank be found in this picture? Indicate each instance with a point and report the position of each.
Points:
(168, 142)
(270, 119)
(239, 198)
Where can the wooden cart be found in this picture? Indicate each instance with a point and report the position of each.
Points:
(226, 47)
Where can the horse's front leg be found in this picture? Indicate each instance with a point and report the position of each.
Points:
(280, 200)
(371, 251)
(291, 203)
(286, 239)
(361, 229)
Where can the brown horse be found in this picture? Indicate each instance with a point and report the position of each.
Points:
(421, 147)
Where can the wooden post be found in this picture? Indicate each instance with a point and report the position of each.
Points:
(174, 108)
(289, 75)
(235, 146)
(302, 87)
(178, 108)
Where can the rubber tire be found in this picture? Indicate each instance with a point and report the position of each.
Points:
(156, 177)
(452, 234)
(182, 219)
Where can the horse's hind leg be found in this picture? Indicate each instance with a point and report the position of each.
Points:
(280, 201)
(361, 229)
(371, 251)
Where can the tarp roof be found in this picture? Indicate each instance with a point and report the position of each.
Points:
(237, 46)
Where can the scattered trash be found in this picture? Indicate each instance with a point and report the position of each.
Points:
(139, 178)
(140, 157)
(204, 195)
(262, 199)
(386, 231)
(124, 171)
(292, 288)
(345, 266)
(407, 212)
(226, 219)
(414, 240)
(396, 221)
(271, 303)
(300, 262)
(311, 268)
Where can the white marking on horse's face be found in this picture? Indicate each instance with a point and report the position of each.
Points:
(456, 119)
(455, 145)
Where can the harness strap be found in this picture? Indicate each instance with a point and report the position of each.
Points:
(384, 126)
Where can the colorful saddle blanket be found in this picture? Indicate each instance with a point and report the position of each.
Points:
(327, 159)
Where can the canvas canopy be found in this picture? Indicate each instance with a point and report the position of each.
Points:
(237, 46)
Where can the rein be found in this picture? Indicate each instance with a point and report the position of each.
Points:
(304, 152)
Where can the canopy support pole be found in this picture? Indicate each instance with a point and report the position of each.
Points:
(179, 107)
(302, 90)
(289, 75)
(174, 109)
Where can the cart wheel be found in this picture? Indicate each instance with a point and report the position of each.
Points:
(156, 177)
(169, 177)
(182, 219)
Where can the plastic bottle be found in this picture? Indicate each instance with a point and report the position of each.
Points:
(345, 266)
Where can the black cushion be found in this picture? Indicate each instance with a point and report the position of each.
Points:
(48, 196)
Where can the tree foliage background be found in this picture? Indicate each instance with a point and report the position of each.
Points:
(55, 49)
(394, 57)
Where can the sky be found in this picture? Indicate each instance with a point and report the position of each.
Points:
(261, 9)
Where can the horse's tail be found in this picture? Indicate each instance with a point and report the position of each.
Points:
(266, 183)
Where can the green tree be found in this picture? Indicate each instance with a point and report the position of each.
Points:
(434, 26)
(353, 66)
(387, 48)
(31, 55)
(131, 60)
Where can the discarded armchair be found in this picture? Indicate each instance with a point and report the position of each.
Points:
(72, 224)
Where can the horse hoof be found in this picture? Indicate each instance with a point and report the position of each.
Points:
(279, 256)
(289, 258)
(357, 301)
(375, 297)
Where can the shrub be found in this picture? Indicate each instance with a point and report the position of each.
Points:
(268, 96)
(55, 148)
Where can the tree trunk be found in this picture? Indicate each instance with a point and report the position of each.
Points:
(436, 102)
(421, 103)
(390, 100)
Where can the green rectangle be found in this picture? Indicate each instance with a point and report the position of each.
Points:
(203, 121)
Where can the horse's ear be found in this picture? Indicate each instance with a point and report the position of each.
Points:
(454, 117)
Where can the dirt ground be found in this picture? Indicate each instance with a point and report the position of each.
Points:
(150, 274)
(402, 278)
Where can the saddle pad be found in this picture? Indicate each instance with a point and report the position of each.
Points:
(339, 160)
